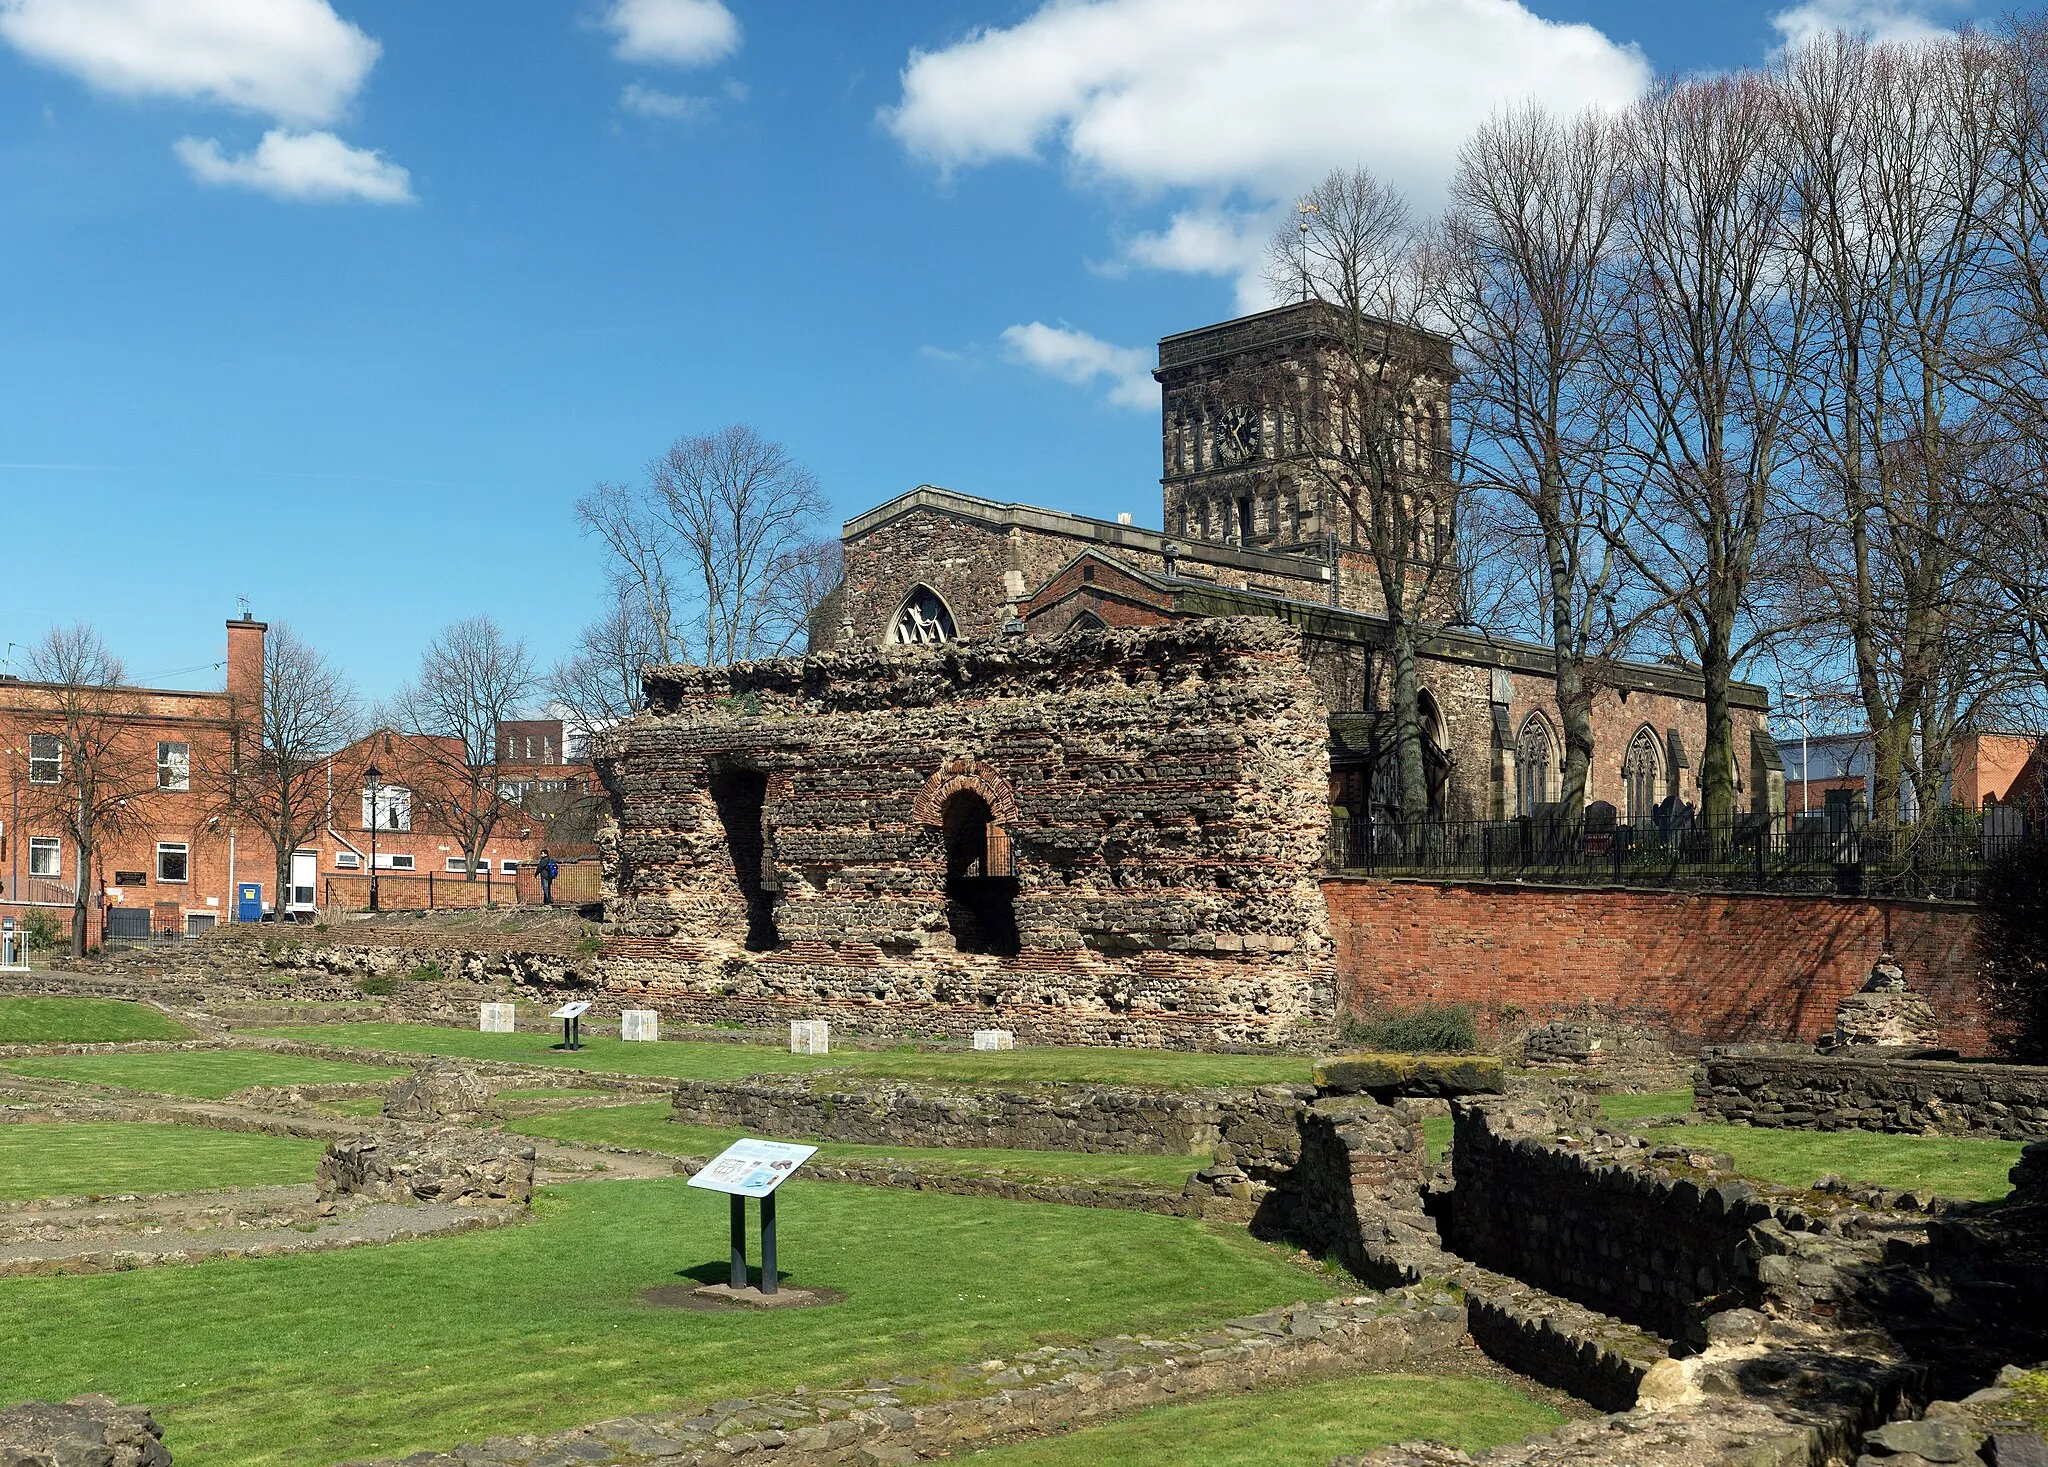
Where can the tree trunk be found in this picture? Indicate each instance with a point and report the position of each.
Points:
(1408, 727)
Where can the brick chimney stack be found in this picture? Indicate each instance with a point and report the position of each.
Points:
(245, 663)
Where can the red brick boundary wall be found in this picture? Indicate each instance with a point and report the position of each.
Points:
(1709, 968)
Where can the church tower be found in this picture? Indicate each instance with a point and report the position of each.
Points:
(1253, 429)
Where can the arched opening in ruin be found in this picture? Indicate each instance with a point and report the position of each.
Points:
(981, 894)
(740, 795)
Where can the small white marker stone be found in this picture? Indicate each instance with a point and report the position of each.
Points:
(639, 1024)
(994, 1039)
(810, 1036)
(495, 1018)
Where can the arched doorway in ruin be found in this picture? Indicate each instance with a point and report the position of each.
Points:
(973, 809)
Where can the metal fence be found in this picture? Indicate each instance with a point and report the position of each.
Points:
(1941, 860)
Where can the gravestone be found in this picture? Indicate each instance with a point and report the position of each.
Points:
(809, 1036)
(639, 1024)
(496, 1018)
(994, 1039)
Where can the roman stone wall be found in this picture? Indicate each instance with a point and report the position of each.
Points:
(1156, 804)
(1604, 1229)
(1705, 968)
(1851, 1091)
(1258, 1124)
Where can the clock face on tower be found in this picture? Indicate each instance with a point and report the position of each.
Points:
(1239, 438)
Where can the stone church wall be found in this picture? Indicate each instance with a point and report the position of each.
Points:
(1159, 798)
(1706, 968)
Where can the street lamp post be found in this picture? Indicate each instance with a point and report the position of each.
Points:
(372, 775)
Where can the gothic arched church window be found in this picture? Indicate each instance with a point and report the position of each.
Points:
(1532, 765)
(924, 620)
(1639, 777)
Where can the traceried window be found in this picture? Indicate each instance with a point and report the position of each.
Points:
(1532, 765)
(173, 766)
(924, 620)
(1639, 777)
(45, 856)
(394, 808)
(45, 759)
(173, 860)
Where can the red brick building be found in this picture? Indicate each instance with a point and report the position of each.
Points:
(168, 856)
(418, 848)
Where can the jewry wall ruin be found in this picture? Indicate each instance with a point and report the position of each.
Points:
(1103, 837)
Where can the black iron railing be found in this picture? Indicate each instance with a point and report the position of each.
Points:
(1941, 860)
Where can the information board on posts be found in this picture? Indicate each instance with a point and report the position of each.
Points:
(750, 1168)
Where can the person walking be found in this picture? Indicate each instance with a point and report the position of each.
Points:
(547, 870)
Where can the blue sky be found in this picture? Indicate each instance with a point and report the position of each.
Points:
(337, 305)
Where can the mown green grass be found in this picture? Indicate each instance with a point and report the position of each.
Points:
(1304, 1423)
(1635, 1107)
(83, 1021)
(694, 1060)
(313, 1358)
(1961, 1167)
(202, 1074)
(88, 1159)
(648, 1127)
(679, 1059)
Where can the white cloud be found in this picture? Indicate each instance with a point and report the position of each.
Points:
(1076, 357)
(673, 32)
(313, 167)
(1207, 240)
(663, 106)
(1880, 20)
(1220, 95)
(294, 60)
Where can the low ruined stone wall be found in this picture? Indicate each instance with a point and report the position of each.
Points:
(1257, 1126)
(1703, 968)
(1598, 1226)
(1848, 1091)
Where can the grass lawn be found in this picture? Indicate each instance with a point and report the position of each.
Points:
(707, 1060)
(83, 1021)
(1304, 1423)
(86, 1159)
(204, 1074)
(649, 1127)
(1960, 1167)
(1635, 1107)
(313, 1358)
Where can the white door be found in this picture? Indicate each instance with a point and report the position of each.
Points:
(305, 873)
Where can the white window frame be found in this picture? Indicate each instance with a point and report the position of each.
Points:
(508, 868)
(456, 866)
(183, 851)
(394, 809)
(173, 765)
(45, 751)
(394, 861)
(52, 845)
(347, 861)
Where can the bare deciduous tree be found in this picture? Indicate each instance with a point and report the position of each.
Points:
(277, 777)
(472, 678)
(711, 538)
(1377, 419)
(599, 683)
(1528, 250)
(1891, 155)
(101, 762)
(1708, 362)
